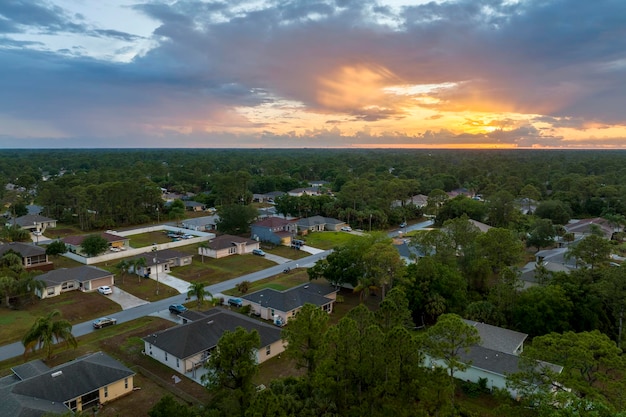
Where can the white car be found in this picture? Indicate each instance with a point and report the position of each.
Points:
(105, 289)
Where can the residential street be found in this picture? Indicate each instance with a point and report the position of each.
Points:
(80, 329)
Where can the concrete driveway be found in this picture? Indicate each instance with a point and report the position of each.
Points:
(125, 299)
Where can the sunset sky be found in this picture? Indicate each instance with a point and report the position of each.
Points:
(313, 73)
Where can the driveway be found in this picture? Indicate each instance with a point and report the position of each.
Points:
(125, 299)
(176, 283)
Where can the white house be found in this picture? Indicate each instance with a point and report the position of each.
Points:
(187, 347)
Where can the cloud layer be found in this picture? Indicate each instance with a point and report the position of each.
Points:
(281, 73)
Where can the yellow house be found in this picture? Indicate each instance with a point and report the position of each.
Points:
(35, 389)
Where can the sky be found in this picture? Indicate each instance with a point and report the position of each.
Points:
(493, 74)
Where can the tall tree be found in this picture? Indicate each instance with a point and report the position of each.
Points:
(304, 336)
(446, 341)
(46, 331)
(232, 366)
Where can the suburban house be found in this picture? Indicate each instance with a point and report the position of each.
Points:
(275, 230)
(495, 357)
(33, 222)
(584, 227)
(418, 200)
(116, 242)
(267, 197)
(318, 224)
(226, 245)
(33, 257)
(35, 390)
(280, 306)
(85, 278)
(202, 224)
(161, 261)
(187, 347)
(194, 206)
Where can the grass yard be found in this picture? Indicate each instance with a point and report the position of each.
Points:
(148, 239)
(327, 240)
(213, 271)
(75, 306)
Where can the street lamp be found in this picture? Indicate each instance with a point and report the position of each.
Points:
(156, 267)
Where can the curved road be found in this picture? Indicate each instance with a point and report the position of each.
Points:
(16, 349)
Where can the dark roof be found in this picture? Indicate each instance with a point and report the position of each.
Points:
(197, 336)
(227, 241)
(273, 222)
(498, 338)
(162, 256)
(80, 273)
(29, 220)
(293, 298)
(24, 249)
(41, 392)
(491, 360)
(78, 240)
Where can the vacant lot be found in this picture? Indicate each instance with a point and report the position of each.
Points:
(75, 306)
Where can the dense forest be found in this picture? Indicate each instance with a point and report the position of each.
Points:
(98, 189)
(572, 318)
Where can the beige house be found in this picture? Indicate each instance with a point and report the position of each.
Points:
(226, 245)
(187, 347)
(84, 278)
(281, 306)
(35, 390)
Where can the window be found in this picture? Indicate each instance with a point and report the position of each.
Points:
(268, 349)
(106, 392)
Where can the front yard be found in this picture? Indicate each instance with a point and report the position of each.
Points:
(75, 306)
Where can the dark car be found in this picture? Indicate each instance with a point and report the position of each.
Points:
(104, 322)
(177, 308)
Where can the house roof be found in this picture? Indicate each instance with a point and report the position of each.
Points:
(227, 241)
(498, 338)
(316, 220)
(29, 220)
(293, 298)
(202, 221)
(42, 389)
(584, 226)
(272, 222)
(24, 249)
(80, 273)
(78, 240)
(203, 334)
(162, 256)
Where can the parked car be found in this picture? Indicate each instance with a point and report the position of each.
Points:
(104, 322)
(105, 289)
(346, 229)
(235, 302)
(177, 308)
(258, 252)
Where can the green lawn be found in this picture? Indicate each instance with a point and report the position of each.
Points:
(74, 306)
(327, 240)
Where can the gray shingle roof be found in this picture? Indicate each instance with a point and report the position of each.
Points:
(293, 298)
(41, 393)
(498, 338)
(80, 274)
(24, 249)
(197, 336)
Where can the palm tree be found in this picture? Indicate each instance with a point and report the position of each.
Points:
(198, 290)
(46, 331)
(124, 266)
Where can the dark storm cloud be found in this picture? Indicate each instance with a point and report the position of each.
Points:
(563, 59)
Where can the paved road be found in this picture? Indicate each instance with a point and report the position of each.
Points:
(80, 329)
